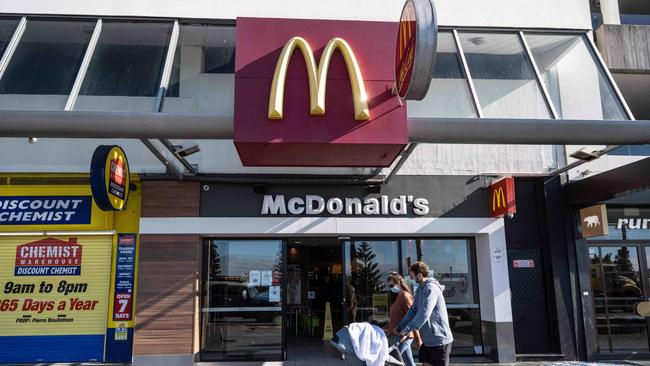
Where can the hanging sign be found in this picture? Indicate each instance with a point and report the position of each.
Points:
(109, 177)
(502, 198)
(593, 221)
(415, 51)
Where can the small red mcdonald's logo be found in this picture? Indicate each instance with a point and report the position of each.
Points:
(502, 197)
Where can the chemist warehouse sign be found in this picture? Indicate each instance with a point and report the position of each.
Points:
(53, 286)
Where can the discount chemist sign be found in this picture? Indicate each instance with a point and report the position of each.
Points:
(54, 285)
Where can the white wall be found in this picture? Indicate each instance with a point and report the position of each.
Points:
(573, 14)
(60, 155)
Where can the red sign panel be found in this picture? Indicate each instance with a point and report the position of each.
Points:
(48, 257)
(502, 197)
(316, 93)
(122, 304)
(523, 263)
(405, 51)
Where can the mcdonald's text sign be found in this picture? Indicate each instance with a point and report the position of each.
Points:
(316, 93)
(502, 197)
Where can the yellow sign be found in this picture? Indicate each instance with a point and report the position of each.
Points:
(380, 304)
(54, 285)
(498, 199)
(317, 77)
(109, 177)
(328, 329)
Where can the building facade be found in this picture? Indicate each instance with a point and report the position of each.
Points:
(239, 263)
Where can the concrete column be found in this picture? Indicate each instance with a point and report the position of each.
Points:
(494, 294)
(610, 12)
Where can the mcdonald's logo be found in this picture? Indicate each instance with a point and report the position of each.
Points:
(502, 197)
(278, 122)
(317, 77)
(498, 199)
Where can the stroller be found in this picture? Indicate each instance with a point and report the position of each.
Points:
(343, 343)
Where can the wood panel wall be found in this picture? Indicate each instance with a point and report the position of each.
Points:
(170, 199)
(164, 320)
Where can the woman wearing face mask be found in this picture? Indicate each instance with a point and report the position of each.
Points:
(401, 301)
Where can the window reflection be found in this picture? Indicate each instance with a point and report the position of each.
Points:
(616, 286)
(368, 266)
(202, 77)
(576, 83)
(126, 67)
(241, 310)
(448, 94)
(7, 29)
(503, 76)
(452, 262)
(44, 65)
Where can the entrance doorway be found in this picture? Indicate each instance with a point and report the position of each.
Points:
(314, 288)
(619, 279)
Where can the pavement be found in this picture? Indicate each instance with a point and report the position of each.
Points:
(548, 363)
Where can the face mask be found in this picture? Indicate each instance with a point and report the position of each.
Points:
(395, 290)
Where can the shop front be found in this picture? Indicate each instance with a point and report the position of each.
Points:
(67, 272)
(619, 267)
(281, 267)
(321, 278)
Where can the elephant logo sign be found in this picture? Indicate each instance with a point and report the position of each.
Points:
(592, 221)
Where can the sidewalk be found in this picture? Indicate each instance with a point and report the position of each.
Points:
(561, 363)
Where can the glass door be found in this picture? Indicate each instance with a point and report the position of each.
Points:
(241, 310)
(452, 263)
(617, 285)
(367, 263)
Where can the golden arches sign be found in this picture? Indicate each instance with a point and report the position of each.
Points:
(498, 199)
(317, 77)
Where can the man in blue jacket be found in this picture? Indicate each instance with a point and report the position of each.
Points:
(428, 315)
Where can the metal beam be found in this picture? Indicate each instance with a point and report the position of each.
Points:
(152, 125)
(528, 131)
(136, 125)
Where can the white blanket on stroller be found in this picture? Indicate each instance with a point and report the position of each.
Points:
(369, 342)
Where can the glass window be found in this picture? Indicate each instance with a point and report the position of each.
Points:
(126, 67)
(202, 78)
(241, 307)
(634, 12)
(632, 150)
(448, 94)
(452, 262)
(503, 76)
(368, 264)
(7, 29)
(635, 19)
(575, 81)
(616, 287)
(44, 66)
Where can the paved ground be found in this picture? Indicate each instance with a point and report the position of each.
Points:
(326, 361)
